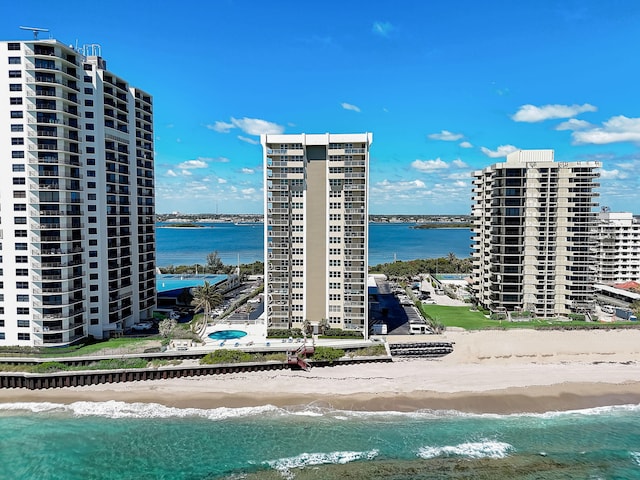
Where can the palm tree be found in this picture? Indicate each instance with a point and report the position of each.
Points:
(206, 297)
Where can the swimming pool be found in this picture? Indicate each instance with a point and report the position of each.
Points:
(227, 334)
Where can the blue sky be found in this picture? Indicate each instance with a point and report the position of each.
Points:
(445, 87)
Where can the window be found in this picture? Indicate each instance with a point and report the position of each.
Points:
(91, 150)
(20, 220)
(2, 336)
(91, 208)
(17, 167)
(93, 276)
(15, 74)
(22, 272)
(88, 103)
(22, 285)
(21, 233)
(22, 259)
(93, 253)
(22, 298)
(23, 323)
(22, 310)
(87, 66)
(95, 310)
(93, 220)
(91, 184)
(91, 161)
(14, 60)
(94, 299)
(15, 101)
(88, 90)
(19, 181)
(91, 173)
(17, 154)
(87, 78)
(92, 196)
(24, 336)
(13, 46)
(93, 265)
(90, 138)
(21, 246)
(93, 288)
(93, 231)
(20, 207)
(15, 87)
(17, 127)
(88, 114)
(16, 114)
(89, 126)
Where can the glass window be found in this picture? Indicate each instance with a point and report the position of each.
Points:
(17, 127)
(15, 87)
(15, 74)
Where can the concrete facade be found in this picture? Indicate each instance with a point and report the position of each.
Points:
(316, 229)
(618, 248)
(533, 224)
(77, 202)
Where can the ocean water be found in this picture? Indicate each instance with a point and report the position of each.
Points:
(188, 246)
(114, 440)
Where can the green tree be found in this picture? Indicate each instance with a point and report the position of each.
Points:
(206, 297)
(185, 297)
(214, 263)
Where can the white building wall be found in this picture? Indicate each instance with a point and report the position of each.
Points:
(54, 199)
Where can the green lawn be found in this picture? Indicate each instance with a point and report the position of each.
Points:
(463, 317)
(133, 344)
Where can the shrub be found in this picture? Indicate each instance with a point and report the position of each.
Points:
(372, 351)
(327, 354)
(577, 317)
(226, 356)
(336, 332)
(49, 367)
(284, 333)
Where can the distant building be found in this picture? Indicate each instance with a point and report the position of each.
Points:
(77, 202)
(316, 235)
(618, 247)
(533, 224)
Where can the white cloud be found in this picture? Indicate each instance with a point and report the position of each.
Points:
(573, 124)
(252, 141)
(386, 185)
(429, 165)
(445, 135)
(613, 174)
(248, 171)
(460, 183)
(382, 28)
(198, 163)
(248, 191)
(221, 127)
(531, 113)
(616, 129)
(171, 173)
(466, 145)
(221, 181)
(257, 126)
(185, 173)
(459, 163)
(459, 176)
(501, 151)
(348, 106)
(250, 126)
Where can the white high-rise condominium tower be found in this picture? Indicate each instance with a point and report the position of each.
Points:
(618, 247)
(533, 227)
(77, 197)
(316, 235)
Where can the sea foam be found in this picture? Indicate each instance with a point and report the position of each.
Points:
(284, 465)
(484, 449)
(115, 409)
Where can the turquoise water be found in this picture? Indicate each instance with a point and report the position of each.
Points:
(227, 334)
(114, 440)
(188, 246)
(168, 282)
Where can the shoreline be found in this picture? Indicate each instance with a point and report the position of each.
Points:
(522, 400)
(493, 372)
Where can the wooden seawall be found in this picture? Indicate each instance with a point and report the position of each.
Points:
(36, 381)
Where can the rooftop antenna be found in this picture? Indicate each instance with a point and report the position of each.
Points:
(35, 31)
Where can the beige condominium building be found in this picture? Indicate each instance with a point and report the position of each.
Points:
(618, 247)
(316, 235)
(77, 199)
(533, 234)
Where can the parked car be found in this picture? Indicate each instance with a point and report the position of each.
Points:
(142, 326)
(428, 301)
(173, 315)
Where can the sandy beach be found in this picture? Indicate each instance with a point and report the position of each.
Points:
(488, 372)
